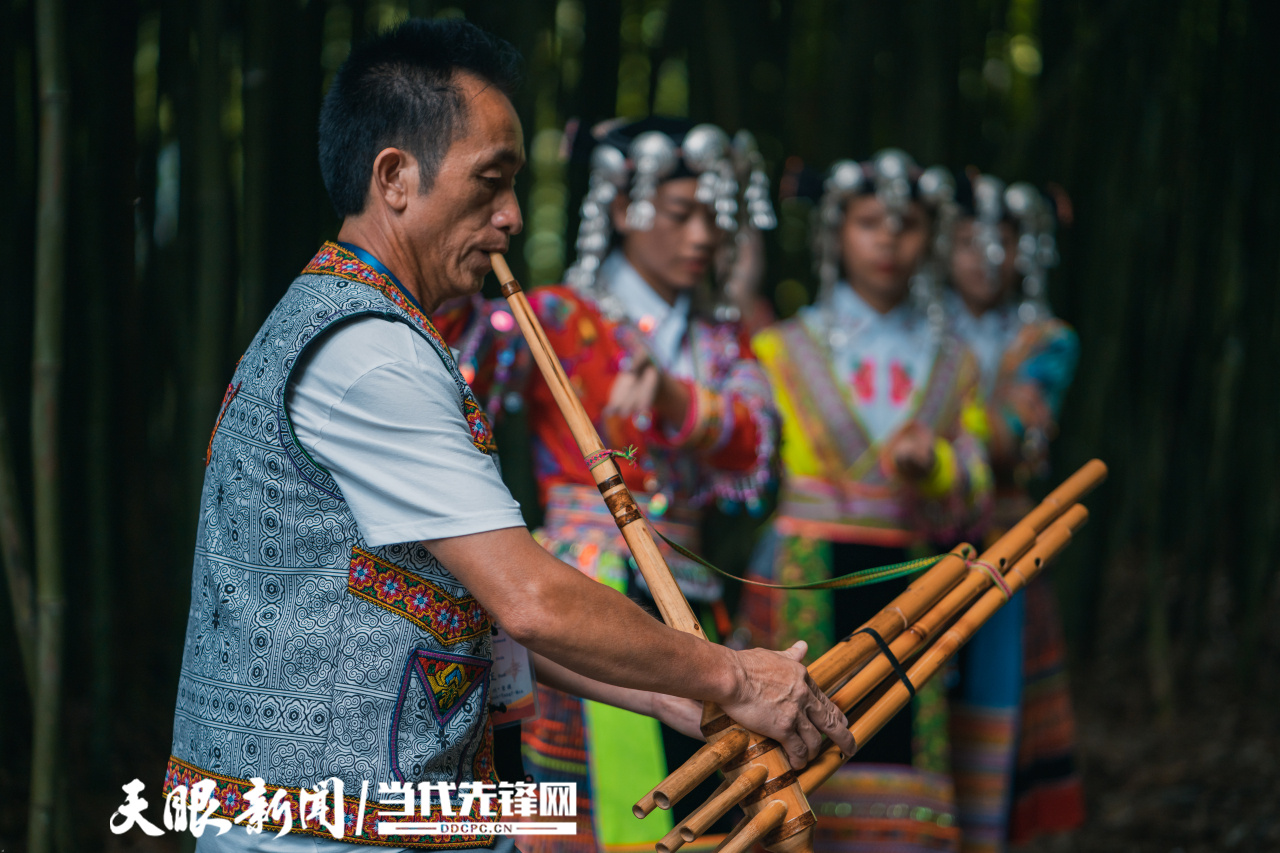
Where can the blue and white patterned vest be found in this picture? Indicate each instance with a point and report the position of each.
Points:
(308, 654)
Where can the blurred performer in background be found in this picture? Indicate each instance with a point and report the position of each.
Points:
(873, 392)
(670, 383)
(1012, 698)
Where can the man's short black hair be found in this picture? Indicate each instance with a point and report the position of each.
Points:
(400, 90)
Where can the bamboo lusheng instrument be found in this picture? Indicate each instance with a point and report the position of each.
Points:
(1047, 546)
(875, 673)
(793, 828)
(921, 594)
(953, 577)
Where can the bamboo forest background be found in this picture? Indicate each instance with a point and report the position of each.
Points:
(179, 151)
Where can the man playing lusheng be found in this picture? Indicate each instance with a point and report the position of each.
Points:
(356, 544)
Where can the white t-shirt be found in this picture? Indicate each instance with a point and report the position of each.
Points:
(373, 403)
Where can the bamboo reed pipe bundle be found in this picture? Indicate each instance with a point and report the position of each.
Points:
(844, 657)
(906, 644)
(921, 632)
(944, 579)
(1055, 538)
(859, 648)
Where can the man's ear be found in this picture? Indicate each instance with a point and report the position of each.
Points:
(395, 178)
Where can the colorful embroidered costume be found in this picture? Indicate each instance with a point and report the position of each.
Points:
(311, 653)
(1012, 726)
(846, 379)
(841, 509)
(721, 453)
(1027, 368)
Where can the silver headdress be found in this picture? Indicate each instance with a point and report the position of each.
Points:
(896, 180)
(1033, 216)
(636, 163)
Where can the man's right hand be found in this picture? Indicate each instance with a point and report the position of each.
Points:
(777, 698)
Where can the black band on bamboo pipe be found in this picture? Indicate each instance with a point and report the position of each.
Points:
(754, 751)
(510, 288)
(790, 828)
(770, 787)
(623, 520)
(615, 480)
(890, 657)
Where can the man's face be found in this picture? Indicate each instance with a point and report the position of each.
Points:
(471, 209)
(877, 257)
(677, 251)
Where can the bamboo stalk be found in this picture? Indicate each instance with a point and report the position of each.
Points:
(13, 550)
(45, 382)
(1049, 545)
(943, 580)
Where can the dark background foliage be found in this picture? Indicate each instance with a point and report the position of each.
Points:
(194, 198)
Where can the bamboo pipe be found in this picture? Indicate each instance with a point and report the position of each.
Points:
(921, 632)
(707, 760)
(844, 657)
(728, 795)
(944, 580)
(752, 829)
(1006, 550)
(1055, 538)
(666, 593)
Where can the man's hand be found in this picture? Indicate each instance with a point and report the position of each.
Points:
(911, 450)
(778, 699)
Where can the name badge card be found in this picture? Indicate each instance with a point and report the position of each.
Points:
(513, 695)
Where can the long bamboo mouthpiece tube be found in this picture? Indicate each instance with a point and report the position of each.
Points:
(666, 593)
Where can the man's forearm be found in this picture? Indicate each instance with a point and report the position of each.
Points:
(555, 611)
(552, 674)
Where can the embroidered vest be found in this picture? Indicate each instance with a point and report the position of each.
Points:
(308, 654)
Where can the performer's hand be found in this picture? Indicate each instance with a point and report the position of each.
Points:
(778, 699)
(633, 392)
(912, 451)
(683, 715)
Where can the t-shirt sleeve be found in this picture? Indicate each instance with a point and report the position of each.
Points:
(375, 405)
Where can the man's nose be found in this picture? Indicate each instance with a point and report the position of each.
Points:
(507, 218)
